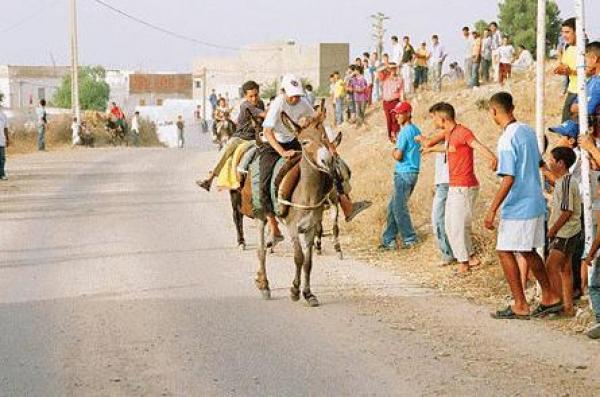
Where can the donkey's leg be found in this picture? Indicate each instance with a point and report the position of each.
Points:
(261, 276)
(319, 238)
(238, 218)
(306, 242)
(299, 261)
(336, 231)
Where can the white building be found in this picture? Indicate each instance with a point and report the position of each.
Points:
(24, 86)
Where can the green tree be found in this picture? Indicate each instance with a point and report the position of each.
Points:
(481, 25)
(1, 97)
(518, 20)
(93, 89)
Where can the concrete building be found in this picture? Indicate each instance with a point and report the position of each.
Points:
(132, 89)
(24, 86)
(267, 63)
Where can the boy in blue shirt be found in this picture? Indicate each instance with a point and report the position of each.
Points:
(520, 197)
(407, 154)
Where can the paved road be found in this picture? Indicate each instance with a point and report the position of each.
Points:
(119, 277)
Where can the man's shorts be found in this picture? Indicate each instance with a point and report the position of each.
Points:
(521, 235)
(567, 246)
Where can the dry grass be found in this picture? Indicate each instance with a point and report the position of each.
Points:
(369, 154)
(58, 135)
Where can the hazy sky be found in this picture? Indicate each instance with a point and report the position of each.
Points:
(36, 31)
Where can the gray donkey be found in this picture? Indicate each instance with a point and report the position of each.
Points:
(306, 208)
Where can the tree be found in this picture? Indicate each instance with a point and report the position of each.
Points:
(93, 89)
(1, 97)
(481, 25)
(518, 20)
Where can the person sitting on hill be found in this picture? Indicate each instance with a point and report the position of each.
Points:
(524, 62)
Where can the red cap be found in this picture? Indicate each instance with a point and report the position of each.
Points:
(402, 107)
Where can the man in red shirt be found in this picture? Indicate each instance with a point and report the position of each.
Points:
(392, 94)
(116, 111)
(464, 187)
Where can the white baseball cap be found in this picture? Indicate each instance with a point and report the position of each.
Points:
(292, 85)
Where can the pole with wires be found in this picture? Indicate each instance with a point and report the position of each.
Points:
(379, 32)
(583, 123)
(74, 65)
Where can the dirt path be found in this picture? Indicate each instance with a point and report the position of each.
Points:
(118, 277)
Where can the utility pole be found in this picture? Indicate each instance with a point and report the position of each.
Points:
(379, 32)
(74, 64)
(204, 91)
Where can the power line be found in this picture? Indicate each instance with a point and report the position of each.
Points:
(163, 30)
(28, 17)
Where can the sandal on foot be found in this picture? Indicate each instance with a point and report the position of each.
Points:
(543, 310)
(509, 314)
(357, 208)
(205, 184)
(273, 241)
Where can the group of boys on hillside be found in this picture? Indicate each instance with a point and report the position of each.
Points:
(526, 227)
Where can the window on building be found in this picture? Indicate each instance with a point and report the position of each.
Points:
(198, 84)
(142, 102)
(41, 93)
(159, 102)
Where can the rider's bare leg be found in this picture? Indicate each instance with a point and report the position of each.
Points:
(274, 226)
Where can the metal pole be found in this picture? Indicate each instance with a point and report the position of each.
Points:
(583, 123)
(74, 63)
(204, 91)
(540, 74)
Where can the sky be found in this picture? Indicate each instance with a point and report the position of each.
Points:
(35, 32)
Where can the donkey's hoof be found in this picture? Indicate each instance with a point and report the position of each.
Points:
(319, 251)
(266, 294)
(311, 300)
(294, 294)
(242, 246)
(340, 255)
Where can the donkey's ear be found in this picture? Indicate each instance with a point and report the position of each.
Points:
(290, 124)
(338, 139)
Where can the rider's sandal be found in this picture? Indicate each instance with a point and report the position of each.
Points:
(357, 208)
(205, 184)
(273, 241)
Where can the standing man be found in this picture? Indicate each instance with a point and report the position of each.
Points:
(464, 186)
(486, 55)
(523, 208)
(438, 56)
(422, 56)
(475, 59)
(506, 56)
(4, 142)
(496, 37)
(214, 101)
(135, 128)
(468, 51)
(568, 65)
(42, 124)
(408, 162)
(396, 52)
(392, 94)
(180, 133)
(375, 63)
(339, 94)
(408, 75)
(310, 95)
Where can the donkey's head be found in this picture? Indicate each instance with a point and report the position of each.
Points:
(312, 136)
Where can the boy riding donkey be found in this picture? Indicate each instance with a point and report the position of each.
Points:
(282, 142)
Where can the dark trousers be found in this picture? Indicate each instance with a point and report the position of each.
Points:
(268, 159)
(2, 160)
(566, 113)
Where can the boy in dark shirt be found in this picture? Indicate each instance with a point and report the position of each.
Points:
(252, 104)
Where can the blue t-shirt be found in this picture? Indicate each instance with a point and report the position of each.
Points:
(519, 156)
(593, 92)
(411, 150)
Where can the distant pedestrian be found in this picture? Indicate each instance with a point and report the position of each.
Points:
(396, 51)
(506, 56)
(407, 72)
(422, 56)
(339, 96)
(351, 108)
(368, 74)
(180, 132)
(42, 124)
(375, 64)
(310, 95)
(496, 36)
(438, 57)
(214, 101)
(392, 94)
(135, 128)
(475, 59)
(468, 53)
(4, 142)
(75, 132)
(407, 154)
(359, 88)
(486, 55)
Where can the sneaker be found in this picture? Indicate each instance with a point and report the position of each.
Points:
(205, 184)
(357, 208)
(594, 332)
